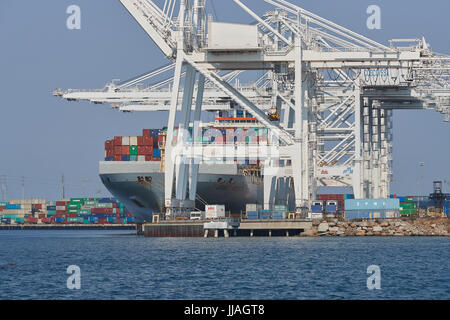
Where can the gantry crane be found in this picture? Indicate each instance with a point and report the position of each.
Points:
(335, 90)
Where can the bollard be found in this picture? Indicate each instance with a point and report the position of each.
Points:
(216, 233)
(206, 234)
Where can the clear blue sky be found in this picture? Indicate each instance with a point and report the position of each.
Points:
(42, 137)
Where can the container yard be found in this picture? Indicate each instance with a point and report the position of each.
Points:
(73, 211)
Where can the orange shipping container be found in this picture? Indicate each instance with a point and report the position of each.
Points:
(125, 150)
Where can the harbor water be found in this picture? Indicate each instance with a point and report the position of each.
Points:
(120, 265)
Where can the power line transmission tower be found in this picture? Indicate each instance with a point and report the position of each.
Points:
(62, 184)
(4, 188)
(23, 187)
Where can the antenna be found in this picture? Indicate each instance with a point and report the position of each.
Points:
(4, 188)
(23, 187)
(62, 185)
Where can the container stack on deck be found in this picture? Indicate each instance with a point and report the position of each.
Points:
(148, 146)
(138, 148)
(66, 211)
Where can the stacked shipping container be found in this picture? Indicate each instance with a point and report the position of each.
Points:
(74, 210)
(139, 148)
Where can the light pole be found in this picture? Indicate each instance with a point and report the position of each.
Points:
(421, 164)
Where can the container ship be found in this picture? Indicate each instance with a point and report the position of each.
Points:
(133, 168)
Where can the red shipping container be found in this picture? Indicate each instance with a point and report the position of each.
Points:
(109, 144)
(102, 220)
(118, 150)
(117, 158)
(31, 220)
(148, 158)
(110, 153)
(46, 220)
(147, 141)
(146, 132)
(140, 141)
(71, 215)
(41, 215)
(117, 141)
(156, 158)
(145, 150)
(125, 150)
(2, 208)
(60, 203)
(37, 206)
(60, 212)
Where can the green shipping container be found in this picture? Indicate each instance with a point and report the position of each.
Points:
(84, 212)
(3, 204)
(72, 211)
(133, 150)
(76, 220)
(51, 212)
(408, 212)
(90, 202)
(408, 205)
(74, 206)
(76, 200)
(11, 216)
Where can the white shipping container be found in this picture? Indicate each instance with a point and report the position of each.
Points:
(133, 141)
(215, 211)
(60, 207)
(125, 141)
(315, 215)
(252, 207)
(141, 158)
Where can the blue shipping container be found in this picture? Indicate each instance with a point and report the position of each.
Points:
(316, 209)
(125, 158)
(447, 210)
(278, 215)
(109, 159)
(51, 208)
(372, 204)
(253, 215)
(156, 152)
(331, 208)
(13, 206)
(351, 215)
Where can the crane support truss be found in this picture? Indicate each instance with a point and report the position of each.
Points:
(336, 89)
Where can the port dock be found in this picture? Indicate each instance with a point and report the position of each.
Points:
(245, 228)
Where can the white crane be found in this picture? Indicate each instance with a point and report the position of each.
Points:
(336, 88)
